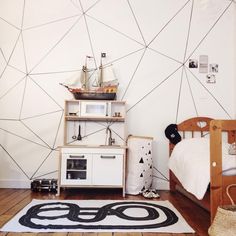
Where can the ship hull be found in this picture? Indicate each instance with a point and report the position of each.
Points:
(94, 96)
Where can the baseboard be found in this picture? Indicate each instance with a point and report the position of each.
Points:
(160, 184)
(14, 183)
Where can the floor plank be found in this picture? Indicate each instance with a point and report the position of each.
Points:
(128, 234)
(75, 234)
(3, 234)
(4, 219)
(13, 200)
(104, 234)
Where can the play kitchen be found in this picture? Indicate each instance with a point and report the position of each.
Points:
(94, 150)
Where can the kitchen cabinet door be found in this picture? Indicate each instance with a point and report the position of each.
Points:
(107, 169)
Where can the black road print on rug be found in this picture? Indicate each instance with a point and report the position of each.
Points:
(97, 214)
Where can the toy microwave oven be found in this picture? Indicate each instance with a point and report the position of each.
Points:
(95, 109)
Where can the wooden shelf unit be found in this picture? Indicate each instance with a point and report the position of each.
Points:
(74, 111)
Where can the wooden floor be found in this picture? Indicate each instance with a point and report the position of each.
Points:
(13, 200)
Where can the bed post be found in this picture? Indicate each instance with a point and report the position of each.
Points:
(215, 166)
(172, 182)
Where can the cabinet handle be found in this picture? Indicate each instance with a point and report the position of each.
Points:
(108, 157)
(71, 156)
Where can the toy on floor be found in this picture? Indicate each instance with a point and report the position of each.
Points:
(150, 193)
(49, 185)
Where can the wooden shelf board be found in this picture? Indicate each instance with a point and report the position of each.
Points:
(75, 118)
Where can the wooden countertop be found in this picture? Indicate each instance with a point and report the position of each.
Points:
(96, 146)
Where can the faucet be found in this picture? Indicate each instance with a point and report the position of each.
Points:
(110, 139)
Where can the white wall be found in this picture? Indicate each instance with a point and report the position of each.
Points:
(149, 43)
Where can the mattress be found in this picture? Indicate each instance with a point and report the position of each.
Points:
(190, 162)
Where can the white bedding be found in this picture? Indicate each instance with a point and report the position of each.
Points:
(190, 162)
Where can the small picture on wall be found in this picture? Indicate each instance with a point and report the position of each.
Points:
(203, 64)
(214, 68)
(211, 79)
(193, 63)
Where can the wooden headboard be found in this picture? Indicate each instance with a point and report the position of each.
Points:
(197, 126)
(200, 126)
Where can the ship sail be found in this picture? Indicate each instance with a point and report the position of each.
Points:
(72, 81)
(108, 76)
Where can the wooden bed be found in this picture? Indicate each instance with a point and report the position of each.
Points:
(199, 127)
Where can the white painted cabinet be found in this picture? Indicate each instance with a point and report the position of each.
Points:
(92, 166)
(107, 169)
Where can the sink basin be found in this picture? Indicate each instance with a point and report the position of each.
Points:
(114, 145)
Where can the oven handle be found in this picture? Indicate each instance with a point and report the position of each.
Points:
(108, 157)
(72, 156)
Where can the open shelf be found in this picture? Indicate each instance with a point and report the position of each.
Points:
(82, 116)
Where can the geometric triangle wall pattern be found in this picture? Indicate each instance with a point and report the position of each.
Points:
(150, 44)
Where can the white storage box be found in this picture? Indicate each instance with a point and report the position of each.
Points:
(139, 164)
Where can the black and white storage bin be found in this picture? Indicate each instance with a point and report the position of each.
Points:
(139, 164)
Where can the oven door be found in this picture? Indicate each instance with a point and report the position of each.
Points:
(76, 169)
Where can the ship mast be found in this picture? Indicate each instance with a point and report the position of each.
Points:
(84, 75)
(100, 78)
